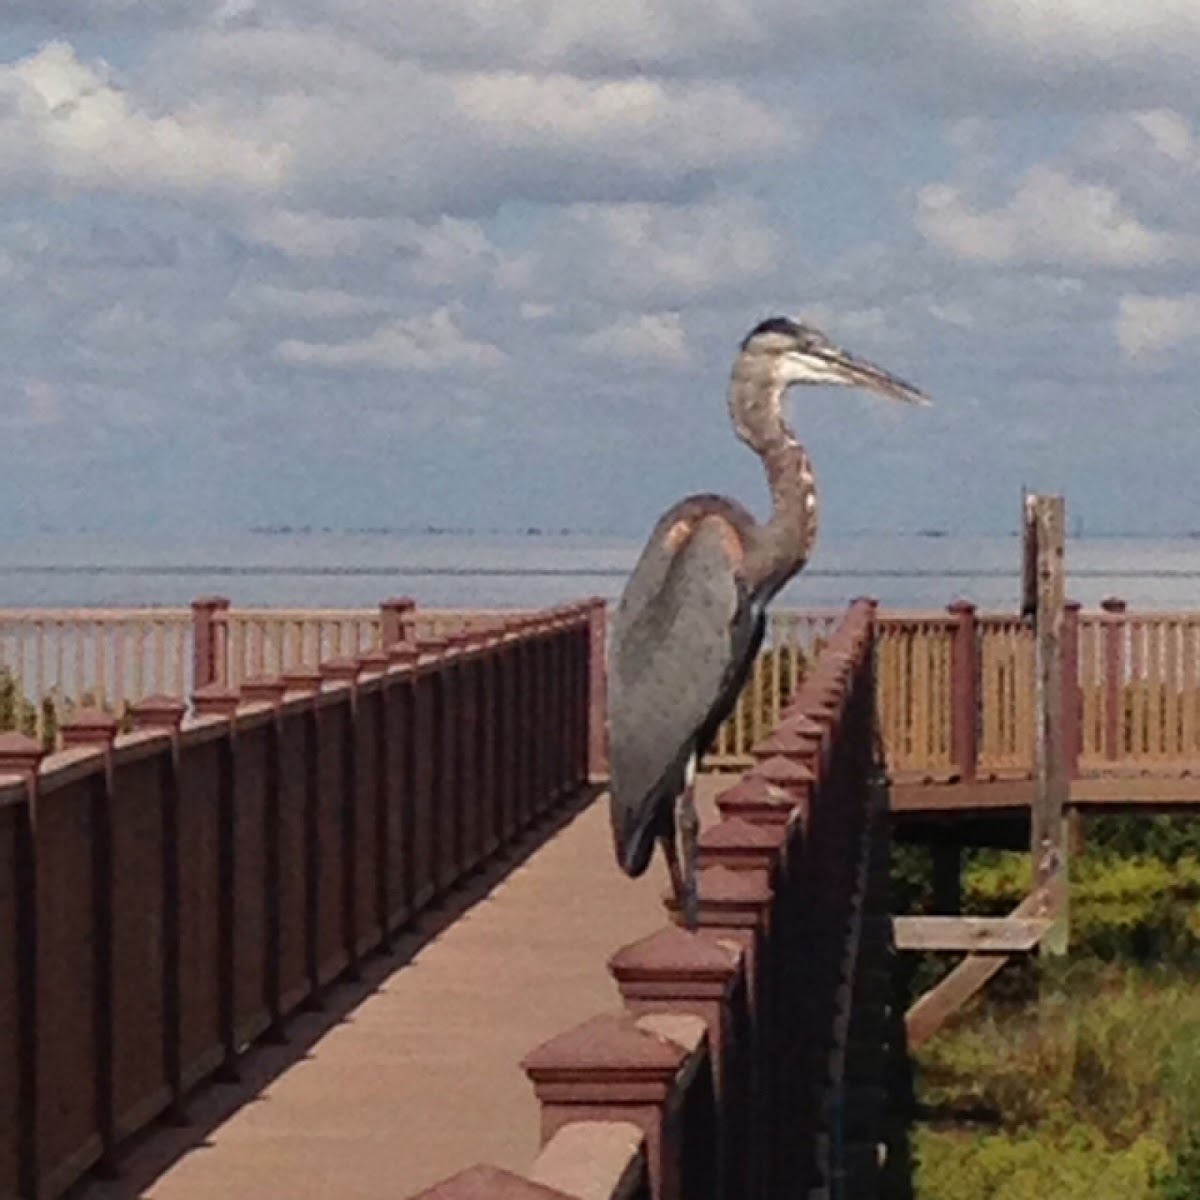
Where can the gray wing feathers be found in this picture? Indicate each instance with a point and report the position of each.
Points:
(672, 649)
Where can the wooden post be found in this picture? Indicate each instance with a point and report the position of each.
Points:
(1072, 702)
(597, 690)
(393, 615)
(1071, 699)
(1048, 842)
(207, 665)
(964, 689)
(21, 755)
(1029, 596)
(1114, 677)
(947, 878)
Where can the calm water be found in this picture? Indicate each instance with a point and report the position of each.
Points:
(333, 570)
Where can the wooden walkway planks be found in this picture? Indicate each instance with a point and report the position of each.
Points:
(423, 1078)
(1132, 792)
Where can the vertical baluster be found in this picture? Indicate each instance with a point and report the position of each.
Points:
(1189, 684)
(1137, 686)
(1171, 743)
(39, 716)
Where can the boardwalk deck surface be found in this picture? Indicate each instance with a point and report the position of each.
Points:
(421, 1078)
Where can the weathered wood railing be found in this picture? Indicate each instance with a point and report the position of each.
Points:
(746, 1062)
(956, 692)
(168, 895)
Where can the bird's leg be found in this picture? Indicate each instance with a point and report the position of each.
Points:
(689, 830)
(672, 857)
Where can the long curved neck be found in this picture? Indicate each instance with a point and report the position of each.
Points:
(784, 542)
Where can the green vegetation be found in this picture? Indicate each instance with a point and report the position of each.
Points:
(15, 711)
(1085, 1083)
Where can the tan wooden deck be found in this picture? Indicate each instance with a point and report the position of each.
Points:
(1171, 789)
(417, 1074)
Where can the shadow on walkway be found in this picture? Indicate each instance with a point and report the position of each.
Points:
(162, 1145)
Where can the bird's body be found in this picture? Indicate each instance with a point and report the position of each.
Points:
(692, 616)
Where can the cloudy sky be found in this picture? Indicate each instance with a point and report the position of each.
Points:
(485, 262)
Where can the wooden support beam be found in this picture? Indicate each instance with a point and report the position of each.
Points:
(932, 1010)
(947, 879)
(970, 935)
(1048, 833)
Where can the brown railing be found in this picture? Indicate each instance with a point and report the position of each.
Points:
(957, 700)
(748, 1059)
(793, 639)
(55, 660)
(913, 672)
(169, 895)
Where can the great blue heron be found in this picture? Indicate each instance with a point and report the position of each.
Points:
(692, 616)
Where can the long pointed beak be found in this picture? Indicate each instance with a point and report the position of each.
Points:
(844, 368)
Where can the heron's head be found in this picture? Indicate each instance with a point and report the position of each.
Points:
(786, 352)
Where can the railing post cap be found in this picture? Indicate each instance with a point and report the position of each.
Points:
(19, 753)
(1072, 606)
(673, 954)
(402, 653)
(759, 801)
(340, 670)
(211, 602)
(785, 772)
(484, 1182)
(398, 603)
(613, 1044)
(157, 712)
(374, 661)
(1113, 604)
(88, 727)
(267, 689)
(797, 721)
(789, 742)
(302, 677)
(735, 835)
(215, 700)
(962, 607)
(728, 898)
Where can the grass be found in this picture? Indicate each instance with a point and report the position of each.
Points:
(1083, 1083)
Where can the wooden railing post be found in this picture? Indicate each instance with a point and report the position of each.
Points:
(93, 729)
(1114, 676)
(207, 667)
(629, 1070)
(21, 756)
(1072, 705)
(393, 614)
(165, 714)
(965, 690)
(597, 690)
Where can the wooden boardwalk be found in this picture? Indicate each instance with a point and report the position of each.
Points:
(418, 1075)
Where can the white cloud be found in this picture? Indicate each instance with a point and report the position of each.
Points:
(378, 136)
(648, 339)
(1148, 325)
(426, 343)
(651, 255)
(67, 122)
(1052, 219)
(306, 304)
(1073, 29)
(629, 122)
